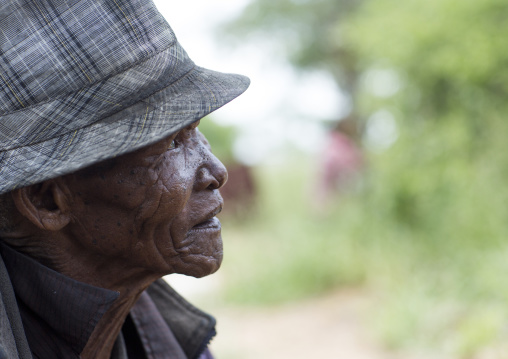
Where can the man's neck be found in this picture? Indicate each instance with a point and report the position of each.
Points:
(99, 272)
(103, 337)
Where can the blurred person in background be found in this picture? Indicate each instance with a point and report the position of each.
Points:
(341, 163)
(107, 184)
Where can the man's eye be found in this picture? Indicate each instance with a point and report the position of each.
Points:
(172, 145)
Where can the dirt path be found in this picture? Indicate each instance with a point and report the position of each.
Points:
(329, 327)
(333, 326)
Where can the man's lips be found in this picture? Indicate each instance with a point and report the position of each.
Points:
(210, 221)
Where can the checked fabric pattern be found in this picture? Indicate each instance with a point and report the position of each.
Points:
(82, 81)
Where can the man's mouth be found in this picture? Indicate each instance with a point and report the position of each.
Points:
(210, 221)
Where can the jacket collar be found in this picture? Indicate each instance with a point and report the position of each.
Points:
(192, 328)
(71, 308)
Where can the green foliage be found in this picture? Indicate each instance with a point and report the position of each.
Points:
(440, 285)
(450, 52)
(444, 181)
(285, 251)
(448, 167)
(428, 230)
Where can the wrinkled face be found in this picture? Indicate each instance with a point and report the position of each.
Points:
(154, 208)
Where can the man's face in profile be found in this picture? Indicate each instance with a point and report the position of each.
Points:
(153, 209)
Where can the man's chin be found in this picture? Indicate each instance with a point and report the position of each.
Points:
(199, 266)
(203, 255)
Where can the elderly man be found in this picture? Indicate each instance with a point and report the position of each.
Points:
(106, 182)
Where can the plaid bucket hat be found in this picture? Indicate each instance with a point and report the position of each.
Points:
(82, 81)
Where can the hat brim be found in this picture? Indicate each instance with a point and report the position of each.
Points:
(195, 95)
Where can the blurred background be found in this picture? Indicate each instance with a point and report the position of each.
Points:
(366, 211)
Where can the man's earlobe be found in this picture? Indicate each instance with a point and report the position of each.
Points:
(44, 204)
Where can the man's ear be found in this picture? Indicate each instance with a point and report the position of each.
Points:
(44, 204)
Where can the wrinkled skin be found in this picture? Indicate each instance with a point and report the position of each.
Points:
(125, 222)
(154, 208)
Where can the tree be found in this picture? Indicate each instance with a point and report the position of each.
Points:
(308, 35)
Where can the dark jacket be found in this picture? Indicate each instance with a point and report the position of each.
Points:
(192, 328)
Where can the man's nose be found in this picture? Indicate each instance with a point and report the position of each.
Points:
(212, 174)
